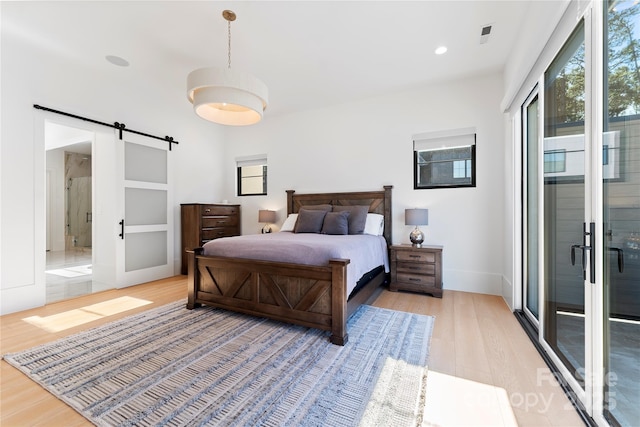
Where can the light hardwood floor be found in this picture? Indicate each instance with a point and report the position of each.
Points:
(483, 370)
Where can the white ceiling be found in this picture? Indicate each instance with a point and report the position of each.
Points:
(309, 54)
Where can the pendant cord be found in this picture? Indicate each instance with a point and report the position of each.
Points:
(229, 39)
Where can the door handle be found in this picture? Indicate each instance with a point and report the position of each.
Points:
(584, 247)
(121, 235)
(620, 258)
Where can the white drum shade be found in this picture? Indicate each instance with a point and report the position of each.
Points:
(226, 96)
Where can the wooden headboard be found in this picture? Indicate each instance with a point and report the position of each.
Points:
(379, 202)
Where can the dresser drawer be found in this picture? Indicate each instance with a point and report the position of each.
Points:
(416, 279)
(215, 233)
(210, 210)
(417, 256)
(219, 221)
(415, 267)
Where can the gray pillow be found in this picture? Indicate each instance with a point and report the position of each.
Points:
(309, 221)
(357, 217)
(336, 223)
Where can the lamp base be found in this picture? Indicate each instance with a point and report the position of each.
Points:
(416, 237)
(266, 229)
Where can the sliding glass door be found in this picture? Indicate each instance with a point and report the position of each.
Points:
(581, 211)
(621, 213)
(566, 242)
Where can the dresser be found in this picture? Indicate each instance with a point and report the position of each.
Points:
(416, 269)
(204, 222)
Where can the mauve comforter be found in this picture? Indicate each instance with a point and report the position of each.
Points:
(365, 251)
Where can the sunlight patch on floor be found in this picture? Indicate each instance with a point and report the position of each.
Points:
(399, 382)
(79, 316)
(453, 401)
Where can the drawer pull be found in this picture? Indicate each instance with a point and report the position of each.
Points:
(414, 256)
(207, 210)
(413, 279)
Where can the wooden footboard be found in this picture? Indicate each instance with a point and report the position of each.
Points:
(312, 296)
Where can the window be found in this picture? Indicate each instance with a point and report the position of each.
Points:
(445, 159)
(462, 168)
(555, 161)
(252, 175)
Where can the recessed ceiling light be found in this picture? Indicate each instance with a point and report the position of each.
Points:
(441, 50)
(116, 60)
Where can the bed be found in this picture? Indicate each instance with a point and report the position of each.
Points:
(315, 296)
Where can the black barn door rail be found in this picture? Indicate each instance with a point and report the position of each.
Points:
(116, 125)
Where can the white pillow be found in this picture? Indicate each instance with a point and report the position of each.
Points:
(289, 223)
(374, 224)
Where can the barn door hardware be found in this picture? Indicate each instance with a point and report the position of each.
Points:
(116, 125)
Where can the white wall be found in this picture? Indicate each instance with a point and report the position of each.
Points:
(365, 145)
(30, 75)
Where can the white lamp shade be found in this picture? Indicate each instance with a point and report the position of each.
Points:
(266, 216)
(226, 96)
(416, 216)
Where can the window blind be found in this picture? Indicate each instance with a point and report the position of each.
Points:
(444, 139)
(255, 160)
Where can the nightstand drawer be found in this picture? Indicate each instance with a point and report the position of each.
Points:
(415, 268)
(417, 256)
(415, 279)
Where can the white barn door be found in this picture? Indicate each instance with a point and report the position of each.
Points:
(145, 225)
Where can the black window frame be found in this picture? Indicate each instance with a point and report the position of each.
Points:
(239, 181)
(471, 184)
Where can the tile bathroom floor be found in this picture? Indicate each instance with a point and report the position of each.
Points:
(68, 274)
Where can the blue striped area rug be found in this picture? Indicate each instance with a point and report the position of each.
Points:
(173, 366)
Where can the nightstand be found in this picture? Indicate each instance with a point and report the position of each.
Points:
(416, 269)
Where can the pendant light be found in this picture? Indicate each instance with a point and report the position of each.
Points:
(227, 96)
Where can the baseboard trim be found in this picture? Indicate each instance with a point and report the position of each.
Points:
(532, 333)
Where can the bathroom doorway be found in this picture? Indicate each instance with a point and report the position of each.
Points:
(69, 216)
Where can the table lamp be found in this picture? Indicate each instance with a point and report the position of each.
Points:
(416, 217)
(267, 217)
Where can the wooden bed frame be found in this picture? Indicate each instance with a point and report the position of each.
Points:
(313, 296)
